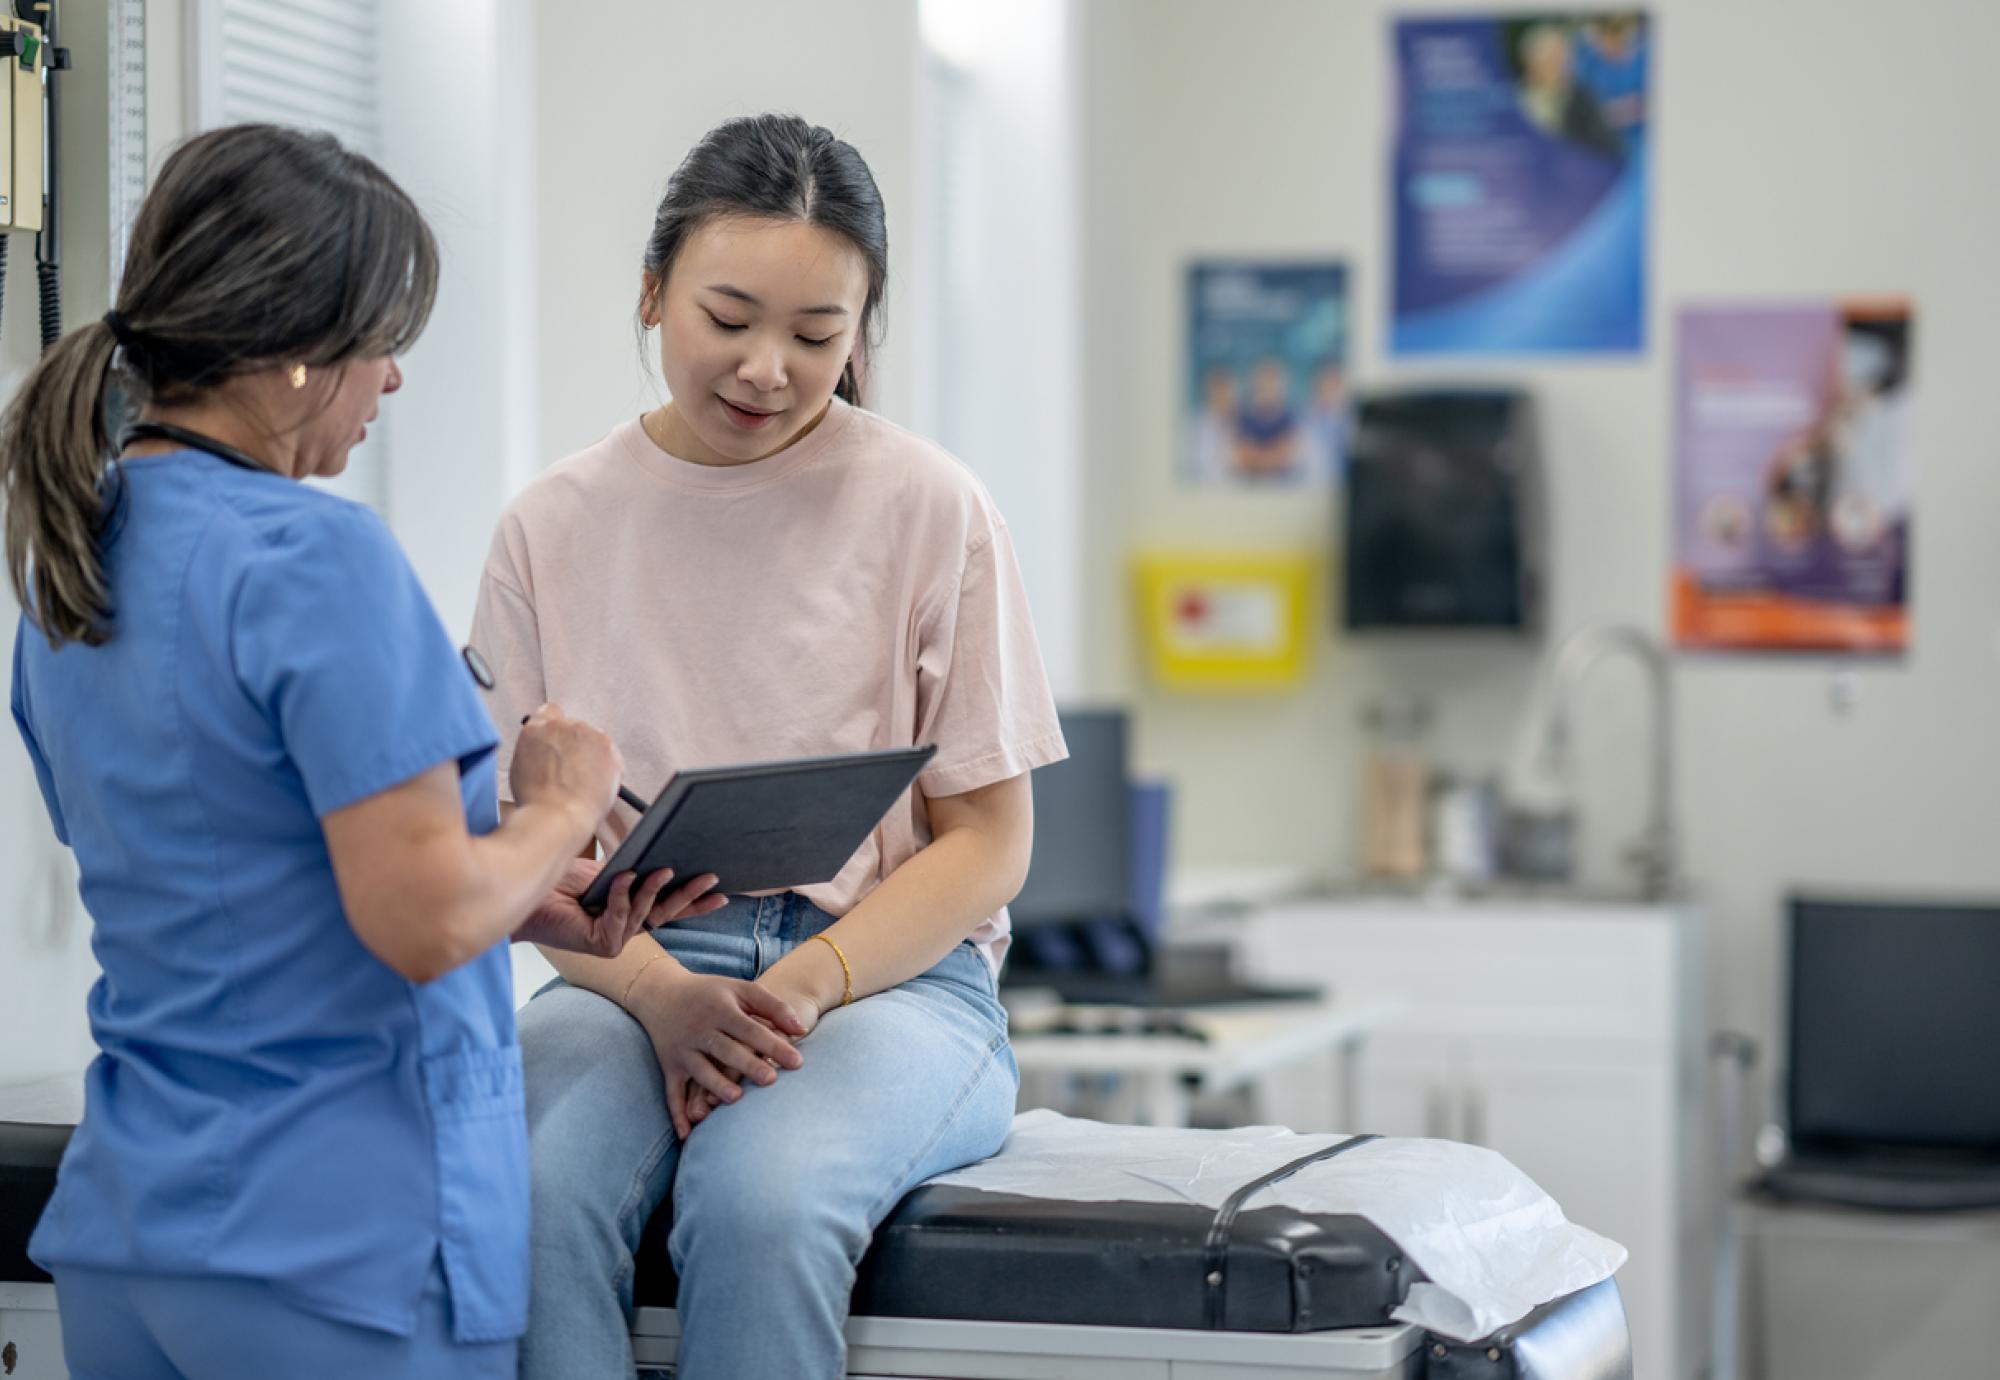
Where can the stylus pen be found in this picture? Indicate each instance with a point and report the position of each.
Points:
(476, 664)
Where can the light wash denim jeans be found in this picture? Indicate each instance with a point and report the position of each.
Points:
(775, 1196)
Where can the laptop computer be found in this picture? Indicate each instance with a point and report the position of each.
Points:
(1892, 1088)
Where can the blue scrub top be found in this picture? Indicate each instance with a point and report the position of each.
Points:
(271, 1100)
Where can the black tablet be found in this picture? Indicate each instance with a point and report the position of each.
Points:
(768, 826)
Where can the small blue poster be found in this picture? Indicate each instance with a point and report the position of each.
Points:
(1520, 184)
(1265, 402)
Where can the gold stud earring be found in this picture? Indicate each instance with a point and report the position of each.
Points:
(298, 376)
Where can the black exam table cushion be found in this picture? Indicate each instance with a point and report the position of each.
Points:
(994, 1257)
(29, 1154)
(960, 1253)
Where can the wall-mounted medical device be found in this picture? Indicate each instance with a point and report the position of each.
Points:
(24, 50)
(28, 125)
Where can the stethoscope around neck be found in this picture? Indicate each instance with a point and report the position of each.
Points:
(193, 440)
(112, 485)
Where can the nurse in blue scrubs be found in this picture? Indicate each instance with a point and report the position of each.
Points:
(303, 1151)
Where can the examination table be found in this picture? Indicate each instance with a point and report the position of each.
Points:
(964, 1283)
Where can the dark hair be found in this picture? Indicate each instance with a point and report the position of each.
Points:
(779, 167)
(257, 247)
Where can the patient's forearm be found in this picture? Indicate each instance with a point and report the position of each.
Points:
(923, 909)
(610, 978)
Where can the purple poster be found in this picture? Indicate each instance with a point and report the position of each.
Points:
(1520, 184)
(1792, 527)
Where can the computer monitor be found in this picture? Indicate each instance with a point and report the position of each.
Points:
(1895, 1026)
(1081, 869)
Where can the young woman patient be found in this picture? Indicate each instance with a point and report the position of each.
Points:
(762, 569)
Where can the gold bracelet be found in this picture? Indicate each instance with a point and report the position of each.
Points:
(625, 1001)
(846, 973)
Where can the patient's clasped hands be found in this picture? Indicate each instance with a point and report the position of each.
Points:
(710, 1033)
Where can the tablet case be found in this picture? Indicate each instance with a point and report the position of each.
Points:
(767, 826)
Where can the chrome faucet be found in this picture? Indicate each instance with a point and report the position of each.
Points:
(1653, 854)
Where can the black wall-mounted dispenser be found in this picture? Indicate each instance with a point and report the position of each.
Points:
(1444, 522)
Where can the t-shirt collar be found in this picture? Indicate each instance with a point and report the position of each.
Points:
(686, 474)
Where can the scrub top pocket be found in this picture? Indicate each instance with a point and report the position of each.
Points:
(480, 1125)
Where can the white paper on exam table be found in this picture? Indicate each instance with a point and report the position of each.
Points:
(1494, 1245)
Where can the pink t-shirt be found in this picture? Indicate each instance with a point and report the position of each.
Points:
(857, 590)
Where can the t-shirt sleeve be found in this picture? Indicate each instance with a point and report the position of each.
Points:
(333, 636)
(506, 634)
(22, 720)
(982, 693)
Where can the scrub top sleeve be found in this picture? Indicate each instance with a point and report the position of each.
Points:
(19, 701)
(336, 640)
(982, 694)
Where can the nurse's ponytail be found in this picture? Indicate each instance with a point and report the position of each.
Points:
(257, 247)
(53, 445)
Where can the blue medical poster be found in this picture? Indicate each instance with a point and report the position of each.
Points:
(1265, 402)
(1520, 184)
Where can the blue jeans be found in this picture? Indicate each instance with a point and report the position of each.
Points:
(775, 1196)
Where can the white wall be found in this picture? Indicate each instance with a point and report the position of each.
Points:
(458, 134)
(1803, 147)
(1000, 377)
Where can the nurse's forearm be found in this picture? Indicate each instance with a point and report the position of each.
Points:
(426, 896)
(514, 868)
(474, 891)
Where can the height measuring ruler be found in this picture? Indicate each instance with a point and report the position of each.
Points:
(126, 50)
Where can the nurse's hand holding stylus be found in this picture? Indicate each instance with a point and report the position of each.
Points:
(561, 760)
(483, 674)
